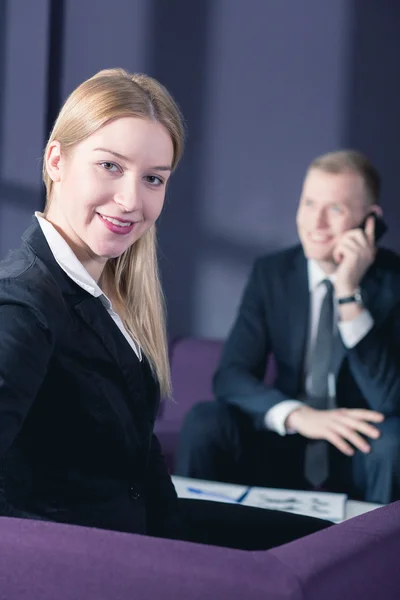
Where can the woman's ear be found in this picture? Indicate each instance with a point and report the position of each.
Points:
(53, 161)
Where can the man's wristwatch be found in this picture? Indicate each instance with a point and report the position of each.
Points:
(356, 298)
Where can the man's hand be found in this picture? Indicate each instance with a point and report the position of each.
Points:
(339, 426)
(354, 254)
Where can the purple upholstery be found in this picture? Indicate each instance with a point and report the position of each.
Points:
(355, 559)
(47, 561)
(193, 364)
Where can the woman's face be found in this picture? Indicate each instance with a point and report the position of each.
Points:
(109, 189)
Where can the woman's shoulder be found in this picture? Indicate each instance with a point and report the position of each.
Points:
(19, 263)
(25, 280)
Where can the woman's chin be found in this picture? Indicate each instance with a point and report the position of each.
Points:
(108, 251)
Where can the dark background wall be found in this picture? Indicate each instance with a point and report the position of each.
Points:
(265, 86)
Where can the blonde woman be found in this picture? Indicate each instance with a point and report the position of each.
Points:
(83, 348)
(83, 353)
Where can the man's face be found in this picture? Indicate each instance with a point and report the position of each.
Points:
(330, 205)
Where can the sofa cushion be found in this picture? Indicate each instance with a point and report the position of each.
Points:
(48, 561)
(193, 364)
(358, 558)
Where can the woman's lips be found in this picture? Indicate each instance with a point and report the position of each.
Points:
(119, 226)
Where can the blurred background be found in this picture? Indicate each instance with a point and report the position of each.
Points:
(264, 85)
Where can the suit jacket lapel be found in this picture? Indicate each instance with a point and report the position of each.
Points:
(95, 315)
(92, 311)
(298, 300)
(338, 354)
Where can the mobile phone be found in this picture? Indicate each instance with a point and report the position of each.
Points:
(380, 225)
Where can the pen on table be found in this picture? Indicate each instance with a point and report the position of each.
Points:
(212, 494)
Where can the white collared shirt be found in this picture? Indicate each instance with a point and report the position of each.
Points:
(70, 264)
(351, 333)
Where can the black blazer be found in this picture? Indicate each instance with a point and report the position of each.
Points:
(77, 407)
(274, 317)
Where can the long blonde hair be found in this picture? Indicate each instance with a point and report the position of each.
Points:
(131, 280)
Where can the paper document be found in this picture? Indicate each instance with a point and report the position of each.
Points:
(208, 490)
(312, 504)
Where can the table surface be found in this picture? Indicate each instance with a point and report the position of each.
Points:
(353, 507)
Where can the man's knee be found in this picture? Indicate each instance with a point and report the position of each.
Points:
(387, 446)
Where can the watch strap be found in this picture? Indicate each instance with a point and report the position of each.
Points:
(356, 297)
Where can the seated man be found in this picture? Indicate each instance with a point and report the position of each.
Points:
(329, 312)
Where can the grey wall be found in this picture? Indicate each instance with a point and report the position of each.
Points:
(23, 62)
(265, 86)
(372, 116)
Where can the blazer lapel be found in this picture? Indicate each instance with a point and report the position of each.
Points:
(338, 354)
(298, 300)
(95, 315)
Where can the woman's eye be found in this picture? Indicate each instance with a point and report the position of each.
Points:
(109, 166)
(154, 180)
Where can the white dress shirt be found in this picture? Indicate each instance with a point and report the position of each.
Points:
(69, 263)
(351, 333)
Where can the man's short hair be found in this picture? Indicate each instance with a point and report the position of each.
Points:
(342, 161)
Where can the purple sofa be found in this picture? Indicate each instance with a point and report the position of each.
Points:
(48, 561)
(193, 363)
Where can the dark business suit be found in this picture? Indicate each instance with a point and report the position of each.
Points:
(77, 410)
(274, 317)
(76, 406)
